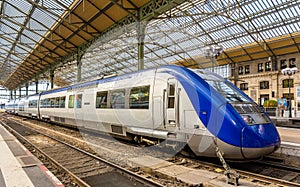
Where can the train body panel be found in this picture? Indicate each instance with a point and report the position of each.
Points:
(22, 106)
(169, 103)
(31, 107)
(18, 106)
(10, 107)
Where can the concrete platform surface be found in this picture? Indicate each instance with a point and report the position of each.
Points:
(290, 141)
(189, 176)
(19, 168)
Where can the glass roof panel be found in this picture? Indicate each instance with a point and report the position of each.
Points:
(23, 5)
(44, 17)
(178, 34)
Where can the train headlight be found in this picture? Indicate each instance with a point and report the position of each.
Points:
(248, 119)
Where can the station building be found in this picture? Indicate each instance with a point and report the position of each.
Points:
(263, 80)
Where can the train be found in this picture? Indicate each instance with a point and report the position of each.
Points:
(170, 104)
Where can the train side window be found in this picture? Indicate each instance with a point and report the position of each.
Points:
(62, 101)
(32, 104)
(45, 103)
(42, 104)
(54, 102)
(101, 99)
(21, 107)
(78, 100)
(71, 101)
(171, 96)
(117, 99)
(139, 97)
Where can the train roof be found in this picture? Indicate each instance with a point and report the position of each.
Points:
(96, 82)
(204, 74)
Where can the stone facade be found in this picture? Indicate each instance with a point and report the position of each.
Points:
(263, 80)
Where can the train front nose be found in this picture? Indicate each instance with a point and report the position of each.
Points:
(259, 140)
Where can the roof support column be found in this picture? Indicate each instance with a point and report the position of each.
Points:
(20, 91)
(26, 86)
(36, 85)
(15, 94)
(141, 28)
(51, 78)
(11, 95)
(79, 65)
(234, 68)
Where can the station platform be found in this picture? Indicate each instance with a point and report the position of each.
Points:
(189, 176)
(286, 121)
(290, 142)
(19, 168)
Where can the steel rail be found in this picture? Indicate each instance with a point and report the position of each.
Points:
(129, 173)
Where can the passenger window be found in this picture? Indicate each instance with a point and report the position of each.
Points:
(71, 101)
(32, 103)
(101, 99)
(42, 104)
(78, 100)
(117, 99)
(62, 101)
(139, 97)
(54, 102)
(45, 103)
(171, 96)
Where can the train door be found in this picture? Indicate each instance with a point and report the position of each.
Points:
(89, 109)
(171, 105)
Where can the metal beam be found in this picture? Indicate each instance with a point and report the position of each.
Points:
(148, 11)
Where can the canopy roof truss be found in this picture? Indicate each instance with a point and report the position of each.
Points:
(38, 35)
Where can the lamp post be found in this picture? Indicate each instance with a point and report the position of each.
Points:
(211, 52)
(289, 72)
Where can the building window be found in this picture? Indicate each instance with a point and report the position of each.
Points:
(287, 96)
(292, 62)
(264, 85)
(260, 67)
(244, 86)
(247, 69)
(241, 70)
(288, 83)
(283, 64)
(268, 66)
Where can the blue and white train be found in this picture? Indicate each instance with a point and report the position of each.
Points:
(169, 103)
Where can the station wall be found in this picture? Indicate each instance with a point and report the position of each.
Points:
(262, 79)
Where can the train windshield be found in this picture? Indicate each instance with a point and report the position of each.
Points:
(226, 90)
(249, 111)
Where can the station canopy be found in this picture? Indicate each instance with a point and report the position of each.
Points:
(39, 35)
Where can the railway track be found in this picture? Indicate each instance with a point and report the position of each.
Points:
(261, 172)
(252, 171)
(81, 167)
